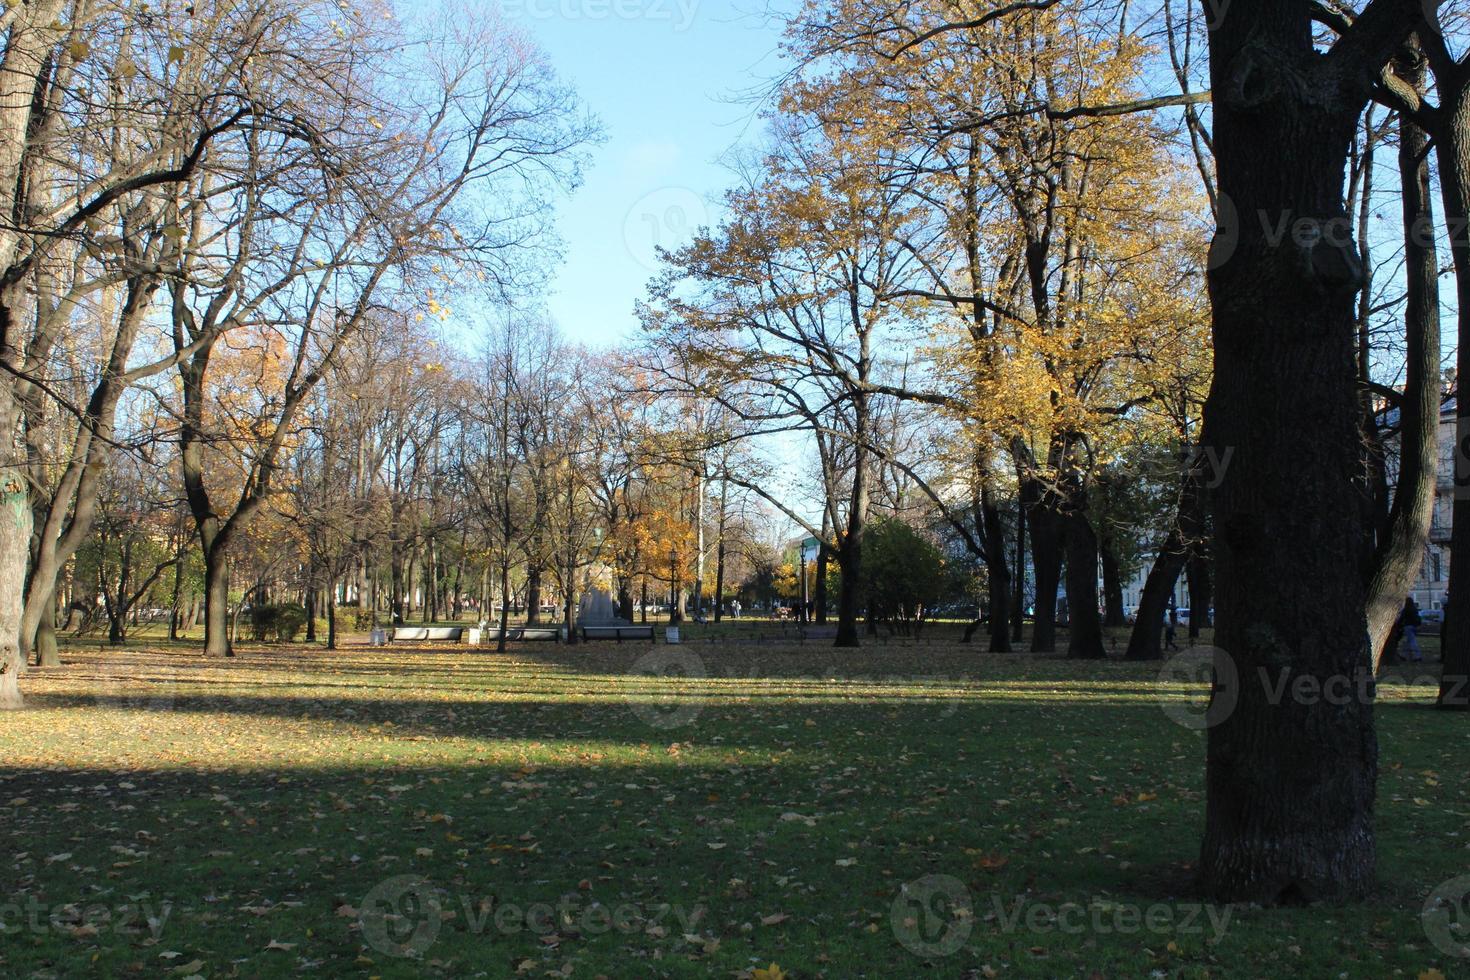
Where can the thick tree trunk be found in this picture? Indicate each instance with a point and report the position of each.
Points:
(533, 597)
(849, 598)
(1290, 779)
(217, 605)
(1201, 591)
(625, 599)
(46, 651)
(1401, 551)
(1453, 149)
(15, 542)
(1084, 634)
(1145, 642)
(1046, 561)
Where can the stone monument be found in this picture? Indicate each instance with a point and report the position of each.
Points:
(596, 608)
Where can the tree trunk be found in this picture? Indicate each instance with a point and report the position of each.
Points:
(849, 563)
(1018, 604)
(1046, 560)
(176, 612)
(15, 543)
(310, 613)
(625, 598)
(1201, 591)
(504, 606)
(217, 605)
(1084, 633)
(533, 597)
(332, 617)
(47, 654)
(720, 575)
(997, 565)
(1401, 551)
(1289, 780)
(1453, 147)
(1145, 642)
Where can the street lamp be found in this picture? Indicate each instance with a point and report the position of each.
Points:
(801, 555)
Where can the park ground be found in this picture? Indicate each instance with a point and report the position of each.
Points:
(738, 806)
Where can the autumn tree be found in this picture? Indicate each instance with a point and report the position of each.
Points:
(304, 231)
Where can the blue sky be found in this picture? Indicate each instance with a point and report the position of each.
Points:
(667, 79)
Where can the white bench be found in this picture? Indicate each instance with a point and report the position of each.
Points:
(425, 634)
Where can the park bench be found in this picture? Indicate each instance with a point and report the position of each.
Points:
(619, 633)
(522, 634)
(452, 634)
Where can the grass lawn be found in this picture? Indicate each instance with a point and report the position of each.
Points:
(910, 809)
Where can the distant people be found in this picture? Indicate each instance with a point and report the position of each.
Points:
(1409, 621)
(735, 608)
(1170, 629)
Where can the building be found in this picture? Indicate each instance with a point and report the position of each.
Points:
(1433, 582)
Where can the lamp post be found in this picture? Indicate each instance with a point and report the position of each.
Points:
(801, 616)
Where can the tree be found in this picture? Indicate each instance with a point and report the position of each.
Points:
(365, 197)
(97, 116)
(1290, 785)
(903, 574)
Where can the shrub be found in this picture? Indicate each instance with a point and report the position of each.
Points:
(281, 623)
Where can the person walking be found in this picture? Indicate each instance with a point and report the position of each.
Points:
(1169, 630)
(1409, 620)
(735, 608)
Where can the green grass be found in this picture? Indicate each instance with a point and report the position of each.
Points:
(771, 811)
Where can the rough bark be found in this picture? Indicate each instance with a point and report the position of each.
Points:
(1290, 781)
(15, 539)
(1452, 146)
(217, 604)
